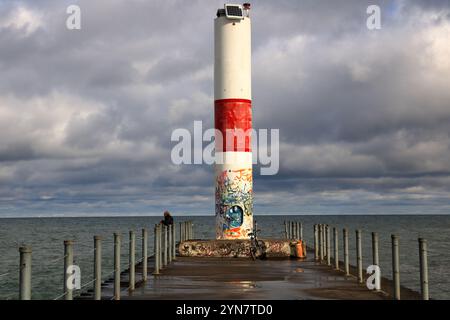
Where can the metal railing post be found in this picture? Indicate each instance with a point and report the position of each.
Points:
(68, 262)
(156, 250)
(132, 261)
(321, 242)
(117, 244)
(301, 231)
(174, 243)
(316, 242)
(97, 268)
(25, 273)
(181, 231)
(328, 246)
(165, 260)
(395, 267)
(161, 251)
(144, 254)
(295, 230)
(359, 256)
(375, 260)
(423, 269)
(292, 230)
(346, 260)
(170, 243)
(336, 248)
(285, 230)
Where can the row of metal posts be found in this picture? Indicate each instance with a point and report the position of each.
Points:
(322, 250)
(164, 246)
(25, 266)
(186, 231)
(164, 253)
(117, 269)
(293, 230)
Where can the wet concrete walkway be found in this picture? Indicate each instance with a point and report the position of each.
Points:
(208, 278)
(195, 278)
(218, 278)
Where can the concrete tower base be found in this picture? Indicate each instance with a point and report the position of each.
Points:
(274, 248)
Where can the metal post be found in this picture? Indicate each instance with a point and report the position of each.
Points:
(336, 248)
(161, 251)
(301, 231)
(320, 242)
(181, 232)
(292, 230)
(25, 273)
(328, 247)
(117, 243)
(395, 267)
(289, 229)
(316, 242)
(156, 250)
(132, 261)
(165, 261)
(346, 262)
(191, 229)
(285, 230)
(375, 260)
(359, 256)
(423, 269)
(323, 243)
(97, 268)
(68, 262)
(144, 254)
(294, 226)
(170, 243)
(174, 242)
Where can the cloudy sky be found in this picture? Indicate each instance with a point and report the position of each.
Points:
(86, 116)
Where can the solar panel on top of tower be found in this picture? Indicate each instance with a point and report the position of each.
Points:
(233, 11)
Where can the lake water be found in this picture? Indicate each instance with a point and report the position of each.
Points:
(46, 236)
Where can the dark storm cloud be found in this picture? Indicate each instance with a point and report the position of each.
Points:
(86, 116)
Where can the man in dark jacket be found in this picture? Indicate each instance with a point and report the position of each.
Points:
(168, 219)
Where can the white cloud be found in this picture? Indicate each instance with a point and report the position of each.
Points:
(23, 19)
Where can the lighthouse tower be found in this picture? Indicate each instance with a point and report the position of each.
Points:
(233, 119)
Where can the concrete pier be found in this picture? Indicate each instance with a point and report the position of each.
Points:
(241, 278)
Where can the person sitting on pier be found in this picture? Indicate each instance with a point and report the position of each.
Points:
(168, 219)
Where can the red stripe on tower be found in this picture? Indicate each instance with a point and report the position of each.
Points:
(233, 118)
